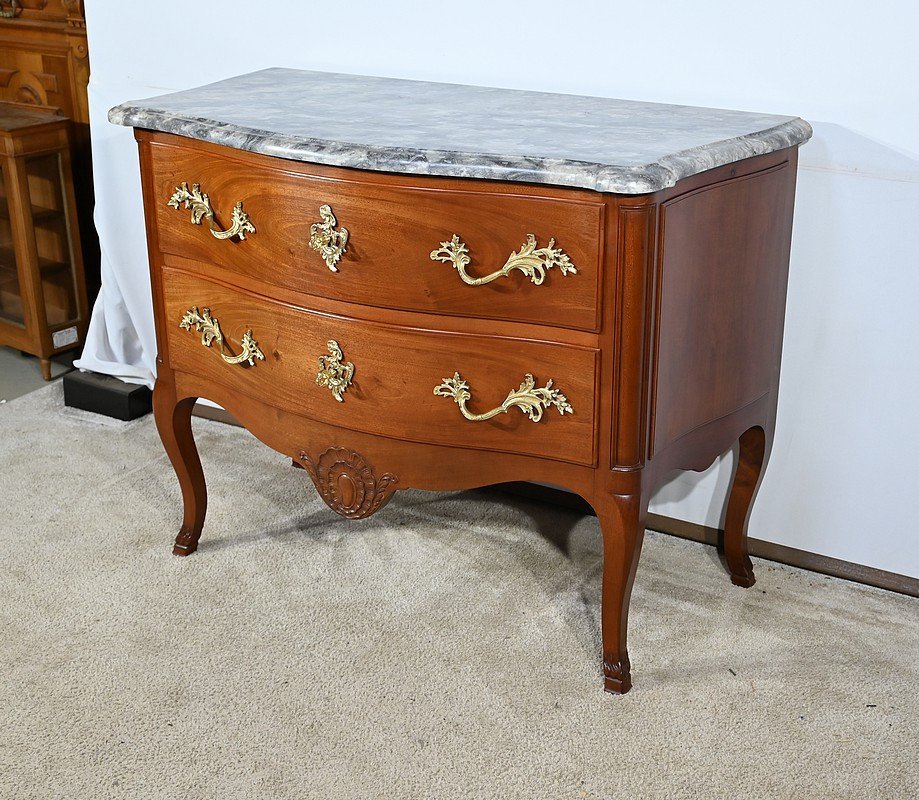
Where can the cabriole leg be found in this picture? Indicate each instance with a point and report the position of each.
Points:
(173, 421)
(743, 490)
(622, 523)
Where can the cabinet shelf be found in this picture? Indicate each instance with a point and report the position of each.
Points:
(39, 213)
(8, 261)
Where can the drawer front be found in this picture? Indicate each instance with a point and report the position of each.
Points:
(394, 225)
(395, 372)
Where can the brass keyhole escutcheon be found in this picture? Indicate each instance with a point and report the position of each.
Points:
(331, 244)
(334, 373)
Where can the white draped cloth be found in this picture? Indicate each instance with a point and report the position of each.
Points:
(121, 339)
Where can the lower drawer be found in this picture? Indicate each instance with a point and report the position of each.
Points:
(391, 389)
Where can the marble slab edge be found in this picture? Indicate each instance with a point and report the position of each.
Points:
(645, 179)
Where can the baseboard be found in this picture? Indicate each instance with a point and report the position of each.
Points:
(835, 567)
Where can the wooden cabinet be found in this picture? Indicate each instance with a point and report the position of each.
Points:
(43, 305)
(389, 329)
(44, 64)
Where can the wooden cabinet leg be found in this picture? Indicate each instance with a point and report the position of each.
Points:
(45, 368)
(622, 523)
(743, 490)
(173, 421)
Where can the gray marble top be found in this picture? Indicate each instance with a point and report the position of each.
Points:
(447, 129)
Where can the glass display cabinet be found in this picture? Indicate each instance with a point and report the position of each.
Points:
(43, 305)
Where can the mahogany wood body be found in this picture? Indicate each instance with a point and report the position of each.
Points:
(667, 341)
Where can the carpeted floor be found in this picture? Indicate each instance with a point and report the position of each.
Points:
(445, 648)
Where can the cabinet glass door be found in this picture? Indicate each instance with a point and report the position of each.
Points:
(10, 294)
(52, 242)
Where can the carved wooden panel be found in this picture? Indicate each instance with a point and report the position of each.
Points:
(48, 12)
(44, 57)
(35, 78)
(348, 484)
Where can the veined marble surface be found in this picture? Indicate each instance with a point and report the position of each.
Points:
(445, 129)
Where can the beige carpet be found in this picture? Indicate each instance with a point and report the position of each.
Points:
(445, 648)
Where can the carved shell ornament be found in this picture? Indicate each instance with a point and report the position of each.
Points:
(347, 483)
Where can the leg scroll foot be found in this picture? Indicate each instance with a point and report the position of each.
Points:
(186, 542)
(743, 579)
(173, 421)
(623, 525)
(743, 490)
(617, 677)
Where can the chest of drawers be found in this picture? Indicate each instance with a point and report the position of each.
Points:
(443, 299)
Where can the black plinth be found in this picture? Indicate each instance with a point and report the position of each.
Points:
(103, 394)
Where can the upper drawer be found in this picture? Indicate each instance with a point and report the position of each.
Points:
(394, 224)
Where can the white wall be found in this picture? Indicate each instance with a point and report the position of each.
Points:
(842, 481)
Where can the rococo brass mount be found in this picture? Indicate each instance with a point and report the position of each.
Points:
(334, 374)
(200, 205)
(325, 240)
(531, 261)
(210, 332)
(531, 401)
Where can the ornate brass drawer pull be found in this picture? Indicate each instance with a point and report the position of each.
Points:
(210, 332)
(530, 400)
(325, 240)
(531, 261)
(200, 205)
(334, 374)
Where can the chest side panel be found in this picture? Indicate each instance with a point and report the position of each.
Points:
(721, 278)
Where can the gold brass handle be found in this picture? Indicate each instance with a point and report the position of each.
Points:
(200, 205)
(530, 400)
(333, 374)
(210, 332)
(531, 261)
(325, 240)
